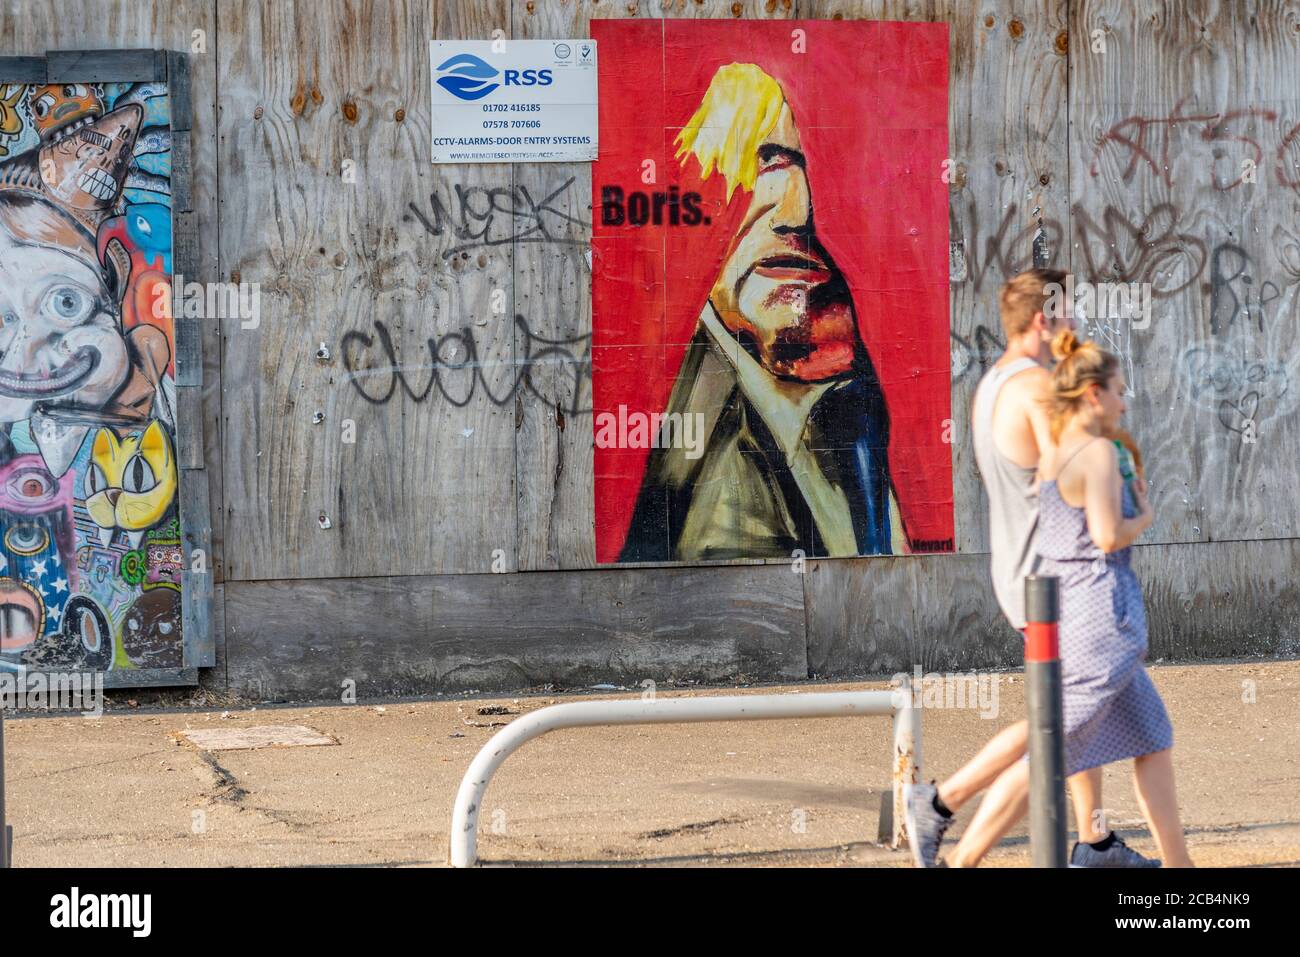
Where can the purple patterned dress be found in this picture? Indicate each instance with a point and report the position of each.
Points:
(1112, 709)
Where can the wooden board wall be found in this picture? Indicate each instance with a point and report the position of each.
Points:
(312, 178)
(1167, 101)
(449, 473)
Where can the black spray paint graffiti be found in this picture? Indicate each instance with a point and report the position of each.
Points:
(1226, 374)
(1235, 293)
(981, 349)
(456, 371)
(1114, 247)
(486, 216)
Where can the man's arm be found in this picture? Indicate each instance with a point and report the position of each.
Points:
(1021, 426)
(1038, 389)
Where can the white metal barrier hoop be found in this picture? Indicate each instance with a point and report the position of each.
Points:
(905, 763)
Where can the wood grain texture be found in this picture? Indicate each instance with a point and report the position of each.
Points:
(189, 348)
(1221, 599)
(182, 175)
(197, 594)
(22, 69)
(189, 430)
(1164, 119)
(106, 66)
(430, 476)
(552, 295)
(215, 677)
(151, 678)
(1251, 487)
(460, 632)
(181, 90)
(881, 616)
(861, 615)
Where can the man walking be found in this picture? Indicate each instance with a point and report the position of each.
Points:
(1009, 425)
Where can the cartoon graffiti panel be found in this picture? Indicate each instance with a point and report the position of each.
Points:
(90, 551)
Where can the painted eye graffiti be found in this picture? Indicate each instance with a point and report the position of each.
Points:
(138, 476)
(68, 303)
(96, 481)
(42, 105)
(26, 539)
(31, 484)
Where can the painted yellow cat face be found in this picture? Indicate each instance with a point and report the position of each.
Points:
(131, 482)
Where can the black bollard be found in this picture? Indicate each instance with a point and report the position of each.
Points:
(1046, 722)
(4, 827)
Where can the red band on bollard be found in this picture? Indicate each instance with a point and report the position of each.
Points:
(1042, 641)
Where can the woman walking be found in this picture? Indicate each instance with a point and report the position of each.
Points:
(1088, 519)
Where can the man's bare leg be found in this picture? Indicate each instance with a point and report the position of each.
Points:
(1008, 801)
(1004, 805)
(1085, 789)
(1003, 750)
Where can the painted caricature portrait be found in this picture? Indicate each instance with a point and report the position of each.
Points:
(797, 455)
(747, 287)
(86, 403)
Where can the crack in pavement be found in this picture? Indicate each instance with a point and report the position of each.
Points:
(95, 764)
(226, 787)
(690, 828)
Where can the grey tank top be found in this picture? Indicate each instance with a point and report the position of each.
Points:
(1013, 504)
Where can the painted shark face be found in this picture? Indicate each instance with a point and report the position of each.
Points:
(59, 338)
(85, 170)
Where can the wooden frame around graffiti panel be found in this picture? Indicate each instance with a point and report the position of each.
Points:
(173, 68)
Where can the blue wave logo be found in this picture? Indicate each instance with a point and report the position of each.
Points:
(467, 77)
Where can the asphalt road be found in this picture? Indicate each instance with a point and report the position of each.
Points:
(126, 790)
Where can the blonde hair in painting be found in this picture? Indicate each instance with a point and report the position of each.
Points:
(739, 109)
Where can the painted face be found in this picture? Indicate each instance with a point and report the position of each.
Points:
(151, 630)
(59, 336)
(37, 566)
(61, 108)
(131, 482)
(85, 170)
(779, 288)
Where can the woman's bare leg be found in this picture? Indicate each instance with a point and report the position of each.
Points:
(1004, 805)
(1008, 801)
(1153, 778)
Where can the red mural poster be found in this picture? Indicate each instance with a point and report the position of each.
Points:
(770, 290)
